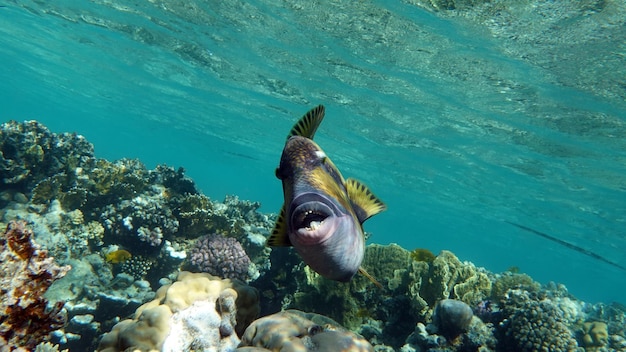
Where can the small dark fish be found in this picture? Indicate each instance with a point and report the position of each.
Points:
(323, 214)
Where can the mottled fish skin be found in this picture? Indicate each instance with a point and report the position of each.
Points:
(318, 217)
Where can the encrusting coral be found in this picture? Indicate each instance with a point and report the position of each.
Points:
(26, 273)
(595, 334)
(197, 312)
(296, 331)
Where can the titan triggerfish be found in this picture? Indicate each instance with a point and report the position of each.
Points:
(323, 214)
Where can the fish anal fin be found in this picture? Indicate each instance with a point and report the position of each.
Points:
(308, 124)
(370, 277)
(279, 236)
(364, 202)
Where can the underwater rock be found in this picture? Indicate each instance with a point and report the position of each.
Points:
(297, 331)
(451, 317)
(26, 273)
(477, 337)
(197, 312)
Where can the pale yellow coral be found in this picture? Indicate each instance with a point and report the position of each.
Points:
(152, 322)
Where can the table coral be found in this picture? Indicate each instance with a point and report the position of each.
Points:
(26, 273)
(197, 312)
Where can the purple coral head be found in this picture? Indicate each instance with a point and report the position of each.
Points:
(220, 256)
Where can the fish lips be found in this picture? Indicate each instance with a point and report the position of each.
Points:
(314, 218)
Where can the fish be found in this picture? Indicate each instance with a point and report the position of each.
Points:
(322, 215)
(118, 256)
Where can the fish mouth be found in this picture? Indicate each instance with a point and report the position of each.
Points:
(310, 216)
(313, 218)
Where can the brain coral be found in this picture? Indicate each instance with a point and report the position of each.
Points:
(220, 256)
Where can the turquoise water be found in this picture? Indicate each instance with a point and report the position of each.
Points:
(460, 120)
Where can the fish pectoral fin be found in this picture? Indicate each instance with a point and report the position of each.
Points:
(364, 202)
(308, 124)
(279, 236)
(370, 277)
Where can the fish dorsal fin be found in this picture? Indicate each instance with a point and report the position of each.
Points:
(364, 202)
(308, 124)
(370, 277)
(279, 237)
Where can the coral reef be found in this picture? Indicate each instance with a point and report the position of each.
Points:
(410, 286)
(197, 312)
(26, 273)
(294, 330)
(29, 153)
(126, 230)
(221, 256)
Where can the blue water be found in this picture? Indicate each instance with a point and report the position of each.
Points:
(459, 120)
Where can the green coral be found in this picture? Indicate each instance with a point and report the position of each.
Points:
(450, 278)
(510, 280)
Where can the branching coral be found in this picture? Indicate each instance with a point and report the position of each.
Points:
(26, 273)
(535, 325)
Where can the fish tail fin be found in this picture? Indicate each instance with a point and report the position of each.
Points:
(279, 237)
(364, 202)
(308, 124)
(370, 277)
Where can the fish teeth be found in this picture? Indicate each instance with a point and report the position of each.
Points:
(314, 225)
